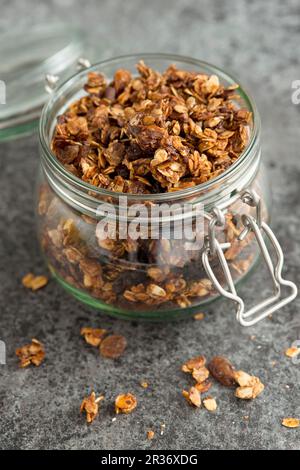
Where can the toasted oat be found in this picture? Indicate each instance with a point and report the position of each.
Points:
(210, 403)
(254, 388)
(33, 353)
(199, 316)
(150, 434)
(91, 406)
(203, 386)
(30, 281)
(291, 422)
(194, 363)
(292, 352)
(125, 403)
(113, 346)
(201, 374)
(93, 336)
(193, 396)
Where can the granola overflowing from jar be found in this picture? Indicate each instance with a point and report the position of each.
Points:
(146, 134)
(153, 132)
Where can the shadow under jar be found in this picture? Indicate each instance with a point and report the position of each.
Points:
(150, 278)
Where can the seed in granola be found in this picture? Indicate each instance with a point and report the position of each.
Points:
(90, 405)
(113, 346)
(222, 370)
(291, 422)
(30, 281)
(150, 434)
(210, 403)
(93, 336)
(201, 374)
(292, 352)
(125, 403)
(33, 353)
(194, 363)
(192, 396)
(199, 316)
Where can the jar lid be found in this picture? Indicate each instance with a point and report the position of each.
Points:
(26, 57)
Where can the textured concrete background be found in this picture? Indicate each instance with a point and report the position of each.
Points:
(259, 42)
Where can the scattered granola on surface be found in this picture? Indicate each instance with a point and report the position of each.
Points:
(33, 353)
(113, 346)
(150, 434)
(90, 405)
(210, 403)
(30, 281)
(125, 403)
(292, 352)
(249, 386)
(151, 133)
(199, 316)
(192, 396)
(93, 336)
(291, 422)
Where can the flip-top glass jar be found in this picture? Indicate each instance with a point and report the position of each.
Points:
(158, 277)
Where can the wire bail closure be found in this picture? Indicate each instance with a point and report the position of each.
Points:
(259, 228)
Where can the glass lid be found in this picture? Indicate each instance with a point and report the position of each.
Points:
(26, 57)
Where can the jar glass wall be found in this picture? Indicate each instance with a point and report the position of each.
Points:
(153, 278)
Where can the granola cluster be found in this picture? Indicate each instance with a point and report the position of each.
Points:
(153, 132)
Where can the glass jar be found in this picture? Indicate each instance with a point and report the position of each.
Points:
(159, 277)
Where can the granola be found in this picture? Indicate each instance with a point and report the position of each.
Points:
(113, 346)
(146, 134)
(125, 403)
(153, 132)
(93, 336)
(90, 405)
(192, 396)
(291, 422)
(210, 403)
(30, 281)
(33, 353)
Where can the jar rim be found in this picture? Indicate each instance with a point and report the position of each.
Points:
(232, 170)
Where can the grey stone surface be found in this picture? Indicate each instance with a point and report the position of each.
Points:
(258, 41)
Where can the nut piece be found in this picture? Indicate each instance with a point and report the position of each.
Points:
(93, 336)
(30, 281)
(210, 403)
(125, 403)
(292, 352)
(193, 396)
(90, 406)
(222, 370)
(194, 363)
(150, 434)
(250, 391)
(33, 353)
(242, 378)
(113, 346)
(200, 375)
(291, 422)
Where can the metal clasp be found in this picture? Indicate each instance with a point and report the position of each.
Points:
(259, 228)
